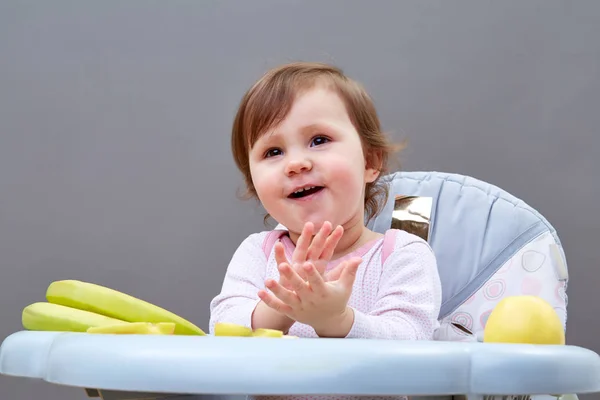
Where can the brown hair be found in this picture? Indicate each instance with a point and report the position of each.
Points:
(270, 99)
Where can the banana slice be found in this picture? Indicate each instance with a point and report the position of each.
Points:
(228, 329)
(136, 328)
(262, 332)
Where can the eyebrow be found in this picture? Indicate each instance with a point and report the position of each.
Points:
(275, 134)
(321, 125)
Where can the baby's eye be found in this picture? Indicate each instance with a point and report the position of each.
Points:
(319, 140)
(272, 153)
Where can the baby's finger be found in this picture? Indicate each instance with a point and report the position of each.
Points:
(335, 273)
(332, 242)
(280, 254)
(315, 280)
(349, 273)
(294, 280)
(283, 280)
(321, 266)
(286, 296)
(303, 243)
(274, 303)
(298, 269)
(317, 244)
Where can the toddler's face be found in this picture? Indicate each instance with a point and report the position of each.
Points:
(312, 167)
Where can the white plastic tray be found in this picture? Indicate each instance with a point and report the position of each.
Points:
(233, 365)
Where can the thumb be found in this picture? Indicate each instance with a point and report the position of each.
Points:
(320, 267)
(335, 273)
(349, 273)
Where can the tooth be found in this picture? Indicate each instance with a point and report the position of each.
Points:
(303, 189)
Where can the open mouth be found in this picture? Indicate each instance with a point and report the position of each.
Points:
(298, 194)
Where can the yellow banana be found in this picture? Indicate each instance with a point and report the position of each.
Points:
(115, 304)
(43, 316)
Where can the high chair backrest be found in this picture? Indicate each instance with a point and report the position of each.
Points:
(488, 243)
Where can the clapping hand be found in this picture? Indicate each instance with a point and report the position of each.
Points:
(318, 250)
(305, 293)
(315, 302)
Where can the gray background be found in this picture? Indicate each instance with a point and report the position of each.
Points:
(115, 119)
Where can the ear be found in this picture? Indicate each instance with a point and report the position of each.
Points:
(371, 174)
(373, 165)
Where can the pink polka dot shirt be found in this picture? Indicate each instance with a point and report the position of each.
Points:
(398, 299)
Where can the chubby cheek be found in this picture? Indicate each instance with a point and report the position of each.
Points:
(347, 176)
(265, 184)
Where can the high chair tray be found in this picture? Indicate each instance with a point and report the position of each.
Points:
(235, 365)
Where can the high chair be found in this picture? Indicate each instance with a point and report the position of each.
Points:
(489, 245)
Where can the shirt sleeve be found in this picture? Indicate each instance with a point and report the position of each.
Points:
(408, 298)
(245, 276)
